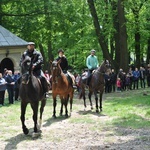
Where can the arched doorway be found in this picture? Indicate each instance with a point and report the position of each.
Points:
(6, 63)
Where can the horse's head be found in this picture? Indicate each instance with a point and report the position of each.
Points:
(105, 66)
(26, 69)
(26, 65)
(55, 67)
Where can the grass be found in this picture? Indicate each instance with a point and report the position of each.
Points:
(130, 109)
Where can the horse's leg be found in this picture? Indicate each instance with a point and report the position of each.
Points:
(43, 102)
(71, 101)
(35, 115)
(89, 95)
(84, 98)
(100, 100)
(66, 103)
(61, 108)
(54, 106)
(22, 117)
(96, 101)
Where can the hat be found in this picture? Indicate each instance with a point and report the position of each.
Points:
(93, 50)
(60, 50)
(31, 43)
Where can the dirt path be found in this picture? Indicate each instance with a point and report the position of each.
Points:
(67, 134)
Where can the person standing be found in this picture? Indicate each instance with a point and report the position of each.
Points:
(113, 80)
(77, 80)
(148, 75)
(107, 82)
(16, 76)
(2, 89)
(10, 86)
(118, 84)
(47, 75)
(136, 75)
(142, 76)
(92, 64)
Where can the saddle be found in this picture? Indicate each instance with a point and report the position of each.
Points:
(70, 78)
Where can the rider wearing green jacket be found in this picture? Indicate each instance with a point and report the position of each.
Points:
(92, 64)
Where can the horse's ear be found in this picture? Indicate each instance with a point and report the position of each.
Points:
(59, 61)
(105, 60)
(50, 62)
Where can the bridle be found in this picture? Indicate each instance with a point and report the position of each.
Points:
(106, 65)
(58, 71)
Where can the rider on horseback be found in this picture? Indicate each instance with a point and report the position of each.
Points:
(64, 64)
(37, 61)
(64, 61)
(92, 64)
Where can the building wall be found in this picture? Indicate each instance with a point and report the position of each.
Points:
(14, 54)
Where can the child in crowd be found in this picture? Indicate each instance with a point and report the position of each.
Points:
(127, 82)
(118, 85)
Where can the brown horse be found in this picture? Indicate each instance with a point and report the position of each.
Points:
(61, 86)
(97, 83)
(31, 91)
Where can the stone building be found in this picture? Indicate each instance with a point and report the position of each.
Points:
(11, 49)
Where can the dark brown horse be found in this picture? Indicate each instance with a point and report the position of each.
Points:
(31, 91)
(97, 83)
(61, 86)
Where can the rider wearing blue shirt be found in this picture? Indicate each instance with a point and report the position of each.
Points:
(92, 64)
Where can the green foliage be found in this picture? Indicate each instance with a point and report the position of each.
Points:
(69, 25)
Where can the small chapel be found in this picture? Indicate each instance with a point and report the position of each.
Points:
(11, 49)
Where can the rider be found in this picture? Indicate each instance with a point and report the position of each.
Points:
(92, 64)
(37, 61)
(64, 64)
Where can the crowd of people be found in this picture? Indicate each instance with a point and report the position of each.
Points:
(133, 79)
(8, 82)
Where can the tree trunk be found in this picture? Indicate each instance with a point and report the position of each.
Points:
(148, 52)
(98, 31)
(116, 34)
(123, 37)
(137, 49)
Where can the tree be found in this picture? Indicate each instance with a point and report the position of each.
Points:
(122, 36)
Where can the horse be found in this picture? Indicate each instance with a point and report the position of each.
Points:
(31, 91)
(62, 86)
(97, 84)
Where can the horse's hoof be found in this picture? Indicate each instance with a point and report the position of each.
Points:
(36, 134)
(38, 126)
(91, 108)
(97, 111)
(25, 131)
(54, 116)
(66, 116)
(70, 114)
